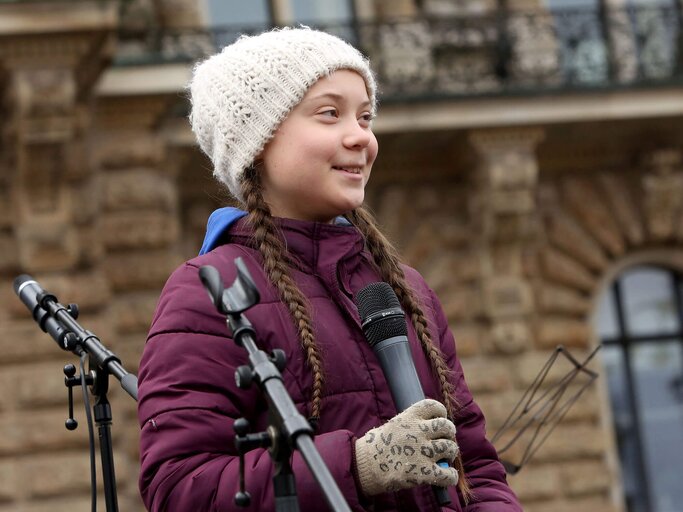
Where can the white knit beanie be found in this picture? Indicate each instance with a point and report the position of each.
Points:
(241, 95)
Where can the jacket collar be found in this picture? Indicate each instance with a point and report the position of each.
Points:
(313, 246)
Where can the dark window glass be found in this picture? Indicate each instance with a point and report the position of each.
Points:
(639, 322)
(238, 12)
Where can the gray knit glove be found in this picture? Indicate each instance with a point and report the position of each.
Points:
(403, 452)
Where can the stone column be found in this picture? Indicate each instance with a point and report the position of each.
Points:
(506, 213)
(663, 194)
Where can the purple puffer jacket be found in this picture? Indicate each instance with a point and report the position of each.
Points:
(188, 399)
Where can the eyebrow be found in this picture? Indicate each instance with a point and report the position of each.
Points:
(337, 97)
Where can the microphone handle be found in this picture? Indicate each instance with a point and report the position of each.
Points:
(399, 369)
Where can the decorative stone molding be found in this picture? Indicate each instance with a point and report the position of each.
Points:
(663, 194)
(44, 125)
(178, 13)
(49, 68)
(505, 205)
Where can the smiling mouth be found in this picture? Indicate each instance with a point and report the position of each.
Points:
(350, 170)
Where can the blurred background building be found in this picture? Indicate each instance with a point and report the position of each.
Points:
(530, 167)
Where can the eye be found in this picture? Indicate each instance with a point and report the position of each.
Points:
(367, 118)
(329, 112)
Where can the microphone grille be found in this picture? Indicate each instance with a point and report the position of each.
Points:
(376, 298)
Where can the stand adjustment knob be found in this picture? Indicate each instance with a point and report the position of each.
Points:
(73, 311)
(244, 376)
(241, 427)
(69, 370)
(279, 359)
(242, 499)
(70, 381)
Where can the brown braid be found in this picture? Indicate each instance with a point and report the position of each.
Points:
(275, 263)
(388, 261)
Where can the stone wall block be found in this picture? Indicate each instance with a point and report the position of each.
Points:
(663, 203)
(620, 199)
(140, 188)
(140, 270)
(91, 248)
(442, 271)
(24, 341)
(511, 228)
(565, 234)
(497, 407)
(47, 247)
(558, 299)
(470, 339)
(503, 259)
(392, 209)
(587, 407)
(562, 331)
(510, 202)
(487, 375)
(537, 483)
(43, 430)
(36, 385)
(129, 349)
(506, 296)
(508, 156)
(65, 474)
(454, 232)
(139, 230)
(585, 478)
(9, 483)
(592, 504)
(586, 203)
(511, 336)
(57, 503)
(420, 248)
(179, 13)
(9, 253)
(89, 289)
(85, 201)
(7, 219)
(462, 303)
(128, 149)
(561, 269)
(133, 312)
(571, 441)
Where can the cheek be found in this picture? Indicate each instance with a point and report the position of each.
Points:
(373, 149)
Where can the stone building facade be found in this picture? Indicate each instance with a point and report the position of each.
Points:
(519, 209)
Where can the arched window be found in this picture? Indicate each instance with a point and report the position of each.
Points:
(639, 321)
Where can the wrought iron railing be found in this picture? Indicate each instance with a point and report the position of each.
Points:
(504, 52)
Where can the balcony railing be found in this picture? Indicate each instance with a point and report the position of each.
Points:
(501, 53)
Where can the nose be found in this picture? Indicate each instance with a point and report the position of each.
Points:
(357, 136)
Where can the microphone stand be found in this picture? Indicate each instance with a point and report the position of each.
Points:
(288, 428)
(60, 322)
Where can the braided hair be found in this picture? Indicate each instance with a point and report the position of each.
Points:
(277, 265)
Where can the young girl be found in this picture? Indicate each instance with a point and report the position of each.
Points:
(286, 118)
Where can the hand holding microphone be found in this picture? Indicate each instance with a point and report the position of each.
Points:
(404, 451)
(384, 324)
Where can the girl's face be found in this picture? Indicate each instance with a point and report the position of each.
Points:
(319, 161)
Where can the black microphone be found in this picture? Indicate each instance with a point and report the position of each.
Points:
(384, 324)
(33, 295)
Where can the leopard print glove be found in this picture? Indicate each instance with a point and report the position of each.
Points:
(404, 451)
